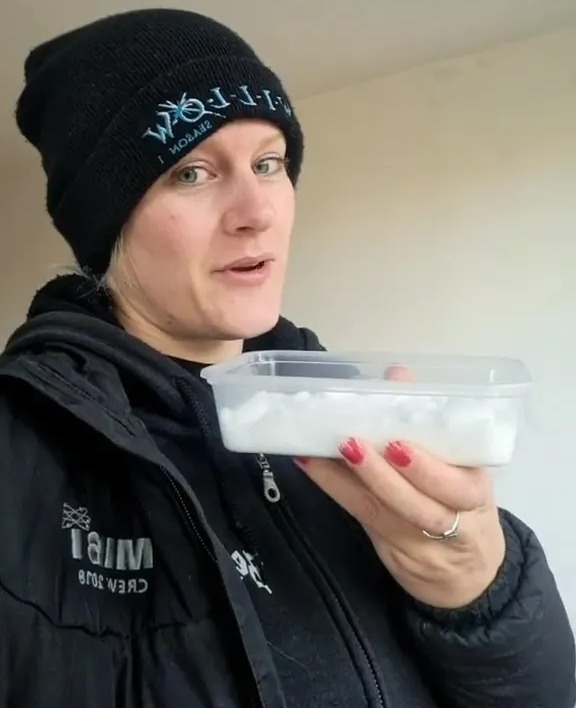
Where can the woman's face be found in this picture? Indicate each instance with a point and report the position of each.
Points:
(204, 253)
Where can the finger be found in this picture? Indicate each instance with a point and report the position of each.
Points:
(394, 491)
(395, 372)
(458, 488)
(347, 490)
(454, 487)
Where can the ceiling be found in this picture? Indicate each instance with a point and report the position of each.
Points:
(315, 45)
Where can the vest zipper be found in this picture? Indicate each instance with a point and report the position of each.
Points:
(315, 564)
(192, 527)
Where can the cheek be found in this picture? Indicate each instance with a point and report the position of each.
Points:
(286, 214)
(161, 237)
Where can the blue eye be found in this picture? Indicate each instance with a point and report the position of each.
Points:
(270, 165)
(193, 175)
(189, 175)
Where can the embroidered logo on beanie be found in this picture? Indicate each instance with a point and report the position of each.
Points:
(183, 122)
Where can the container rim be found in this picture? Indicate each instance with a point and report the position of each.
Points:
(231, 372)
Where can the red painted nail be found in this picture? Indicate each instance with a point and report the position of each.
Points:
(303, 461)
(352, 451)
(397, 454)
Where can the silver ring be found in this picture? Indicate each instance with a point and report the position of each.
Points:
(452, 532)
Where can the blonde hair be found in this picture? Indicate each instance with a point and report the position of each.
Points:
(116, 273)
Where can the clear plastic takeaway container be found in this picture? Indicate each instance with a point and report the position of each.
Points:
(466, 410)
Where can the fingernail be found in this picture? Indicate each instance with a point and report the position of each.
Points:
(352, 451)
(302, 461)
(397, 454)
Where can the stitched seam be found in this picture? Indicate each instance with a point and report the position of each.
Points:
(79, 628)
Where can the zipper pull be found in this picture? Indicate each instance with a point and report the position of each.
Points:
(271, 489)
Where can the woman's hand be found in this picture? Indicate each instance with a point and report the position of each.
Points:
(403, 492)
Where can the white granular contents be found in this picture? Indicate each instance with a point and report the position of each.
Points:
(461, 431)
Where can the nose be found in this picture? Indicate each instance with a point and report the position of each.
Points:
(250, 209)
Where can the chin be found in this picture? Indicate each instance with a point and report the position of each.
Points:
(249, 324)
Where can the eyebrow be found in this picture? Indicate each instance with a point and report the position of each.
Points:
(273, 138)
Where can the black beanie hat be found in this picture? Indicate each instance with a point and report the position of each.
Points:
(112, 105)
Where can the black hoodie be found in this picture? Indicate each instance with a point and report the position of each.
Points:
(141, 563)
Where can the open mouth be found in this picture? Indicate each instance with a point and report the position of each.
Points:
(249, 268)
(257, 267)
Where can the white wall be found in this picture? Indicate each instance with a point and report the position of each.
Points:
(30, 250)
(438, 213)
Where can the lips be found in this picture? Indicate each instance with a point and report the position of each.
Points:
(248, 264)
(247, 272)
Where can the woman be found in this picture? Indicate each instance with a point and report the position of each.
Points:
(142, 564)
